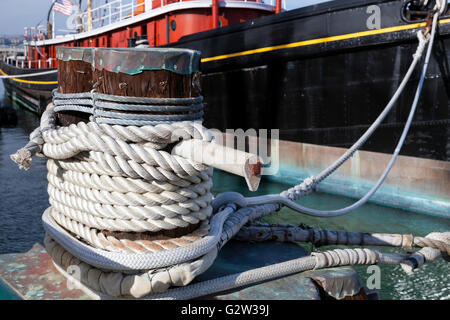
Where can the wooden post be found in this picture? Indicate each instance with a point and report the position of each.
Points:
(151, 83)
(74, 76)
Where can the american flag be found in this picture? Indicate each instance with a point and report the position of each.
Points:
(63, 6)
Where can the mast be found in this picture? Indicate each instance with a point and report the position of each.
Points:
(278, 6)
(215, 13)
(78, 18)
(89, 15)
(51, 25)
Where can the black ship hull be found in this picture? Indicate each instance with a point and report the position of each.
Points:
(32, 93)
(320, 75)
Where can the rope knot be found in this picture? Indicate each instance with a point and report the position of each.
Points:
(226, 198)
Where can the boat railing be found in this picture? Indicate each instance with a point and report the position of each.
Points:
(22, 62)
(112, 12)
(119, 10)
(35, 33)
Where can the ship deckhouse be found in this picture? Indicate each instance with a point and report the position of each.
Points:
(129, 23)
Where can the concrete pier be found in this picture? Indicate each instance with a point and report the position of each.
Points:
(32, 276)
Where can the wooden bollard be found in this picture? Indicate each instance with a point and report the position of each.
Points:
(154, 72)
(74, 76)
(74, 69)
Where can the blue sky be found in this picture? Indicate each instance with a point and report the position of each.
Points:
(17, 14)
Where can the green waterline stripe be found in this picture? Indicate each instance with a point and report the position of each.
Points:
(8, 292)
(385, 196)
(23, 103)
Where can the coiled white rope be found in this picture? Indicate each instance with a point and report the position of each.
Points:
(104, 107)
(150, 211)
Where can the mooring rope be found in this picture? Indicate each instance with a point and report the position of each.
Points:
(288, 197)
(26, 75)
(104, 107)
(116, 190)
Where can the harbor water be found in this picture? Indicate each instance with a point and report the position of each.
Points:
(23, 198)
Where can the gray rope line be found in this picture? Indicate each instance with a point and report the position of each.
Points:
(288, 197)
(63, 102)
(154, 108)
(137, 123)
(73, 107)
(100, 106)
(148, 117)
(417, 56)
(81, 95)
(155, 101)
(28, 75)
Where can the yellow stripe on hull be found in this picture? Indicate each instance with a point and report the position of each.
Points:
(321, 40)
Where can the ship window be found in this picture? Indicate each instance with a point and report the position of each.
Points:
(173, 25)
(416, 10)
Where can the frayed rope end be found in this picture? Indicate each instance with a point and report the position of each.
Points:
(22, 158)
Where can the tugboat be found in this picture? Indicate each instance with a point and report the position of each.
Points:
(320, 74)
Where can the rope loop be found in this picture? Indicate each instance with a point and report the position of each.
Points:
(125, 110)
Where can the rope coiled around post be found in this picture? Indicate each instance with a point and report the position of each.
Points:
(89, 150)
(123, 110)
